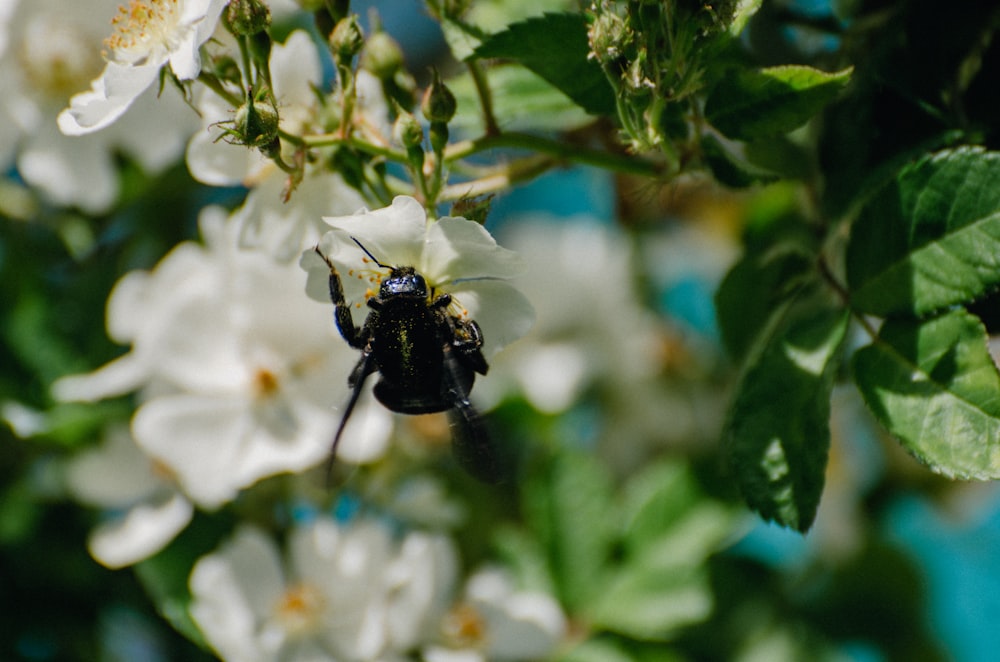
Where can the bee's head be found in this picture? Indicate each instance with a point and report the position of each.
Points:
(403, 281)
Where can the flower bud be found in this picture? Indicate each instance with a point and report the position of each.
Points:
(407, 130)
(346, 39)
(439, 103)
(247, 17)
(609, 37)
(474, 209)
(255, 123)
(382, 56)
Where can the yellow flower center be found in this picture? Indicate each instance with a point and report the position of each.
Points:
(57, 59)
(300, 609)
(142, 28)
(464, 626)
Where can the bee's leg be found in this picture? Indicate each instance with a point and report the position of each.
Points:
(355, 336)
(364, 367)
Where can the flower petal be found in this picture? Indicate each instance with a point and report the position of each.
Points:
(145, 530)
(502, 312)
(218, 445)
(394, 235)
(109, 97)
(457, 248)
(233, 590)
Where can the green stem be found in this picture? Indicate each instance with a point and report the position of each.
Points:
(214, 84)
(558, 150)
(331, 139)
(513, 173)
(844, 295)
(490, 126)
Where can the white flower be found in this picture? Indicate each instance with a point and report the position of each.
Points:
(498, 622)
(148, 34)
(456, 256)
(591, 327)
(240, 373)
(53, 51)
(145, 510)
(344, 592)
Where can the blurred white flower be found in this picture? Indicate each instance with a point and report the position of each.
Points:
(455, 256)
(147, 34)
(144, 510)
(496, 621)
(343, 592)
(591, 326)
(52, 50)
(240, 373)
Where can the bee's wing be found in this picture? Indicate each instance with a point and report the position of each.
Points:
(471, 444)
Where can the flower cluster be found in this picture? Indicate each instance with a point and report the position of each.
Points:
(237, 372)
(354, 592)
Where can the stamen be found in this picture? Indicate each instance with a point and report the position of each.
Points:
(141, 28)
(300, 608)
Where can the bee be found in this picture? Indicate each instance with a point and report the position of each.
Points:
(426, 357)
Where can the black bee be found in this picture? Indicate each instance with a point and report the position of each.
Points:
(426, 357)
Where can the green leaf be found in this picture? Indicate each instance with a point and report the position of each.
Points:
(522, 98)
(729, 169)
(569, 507)
(777, 434)
(931, 238)
(667, 516)
(649, 602)
(933, 384)
(754, 288)
(748, 104)
(555, 47)
(463, 38)
(603, 649)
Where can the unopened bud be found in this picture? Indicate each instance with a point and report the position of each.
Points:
(247, 17)
(255, 123)
(407, 131)
(382, 56)
(439, 103)
(346, 39)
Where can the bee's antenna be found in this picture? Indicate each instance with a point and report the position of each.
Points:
(374, 259)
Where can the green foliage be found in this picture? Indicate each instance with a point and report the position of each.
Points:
(663, 526)
(933, 384)
(526, 101)
(555, 47)
(777, 434)
(748, 104)
(930, 238)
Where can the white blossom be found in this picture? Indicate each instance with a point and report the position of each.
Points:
(342, 592)
(52, 50)
(455, 255)
(144, 510)
(240, 374)
(147, 35)
(497, 621)
(581, 282)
